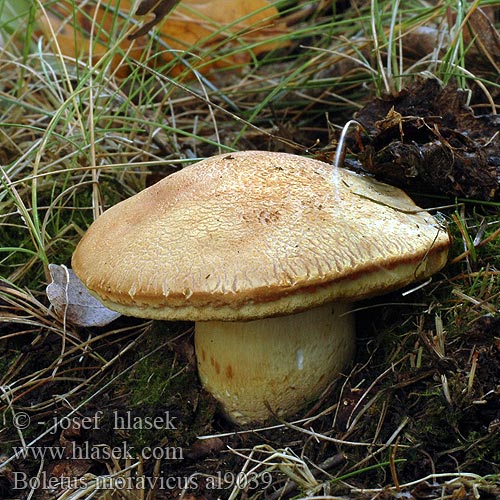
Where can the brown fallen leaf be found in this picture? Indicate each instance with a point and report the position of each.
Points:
(224, 23)
(209, 34)
(87, 31)
(485, 36)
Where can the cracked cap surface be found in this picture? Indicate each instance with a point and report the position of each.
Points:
(252, 234)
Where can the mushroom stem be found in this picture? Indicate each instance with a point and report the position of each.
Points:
(273, 365)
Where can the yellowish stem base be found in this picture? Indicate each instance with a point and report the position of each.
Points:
(274, 365)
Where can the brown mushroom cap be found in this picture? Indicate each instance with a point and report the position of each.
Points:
(253, 234)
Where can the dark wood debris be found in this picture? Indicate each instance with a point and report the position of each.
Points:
(427, 139)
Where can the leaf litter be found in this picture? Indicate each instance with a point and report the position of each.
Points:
(426, 138)
(220, 30)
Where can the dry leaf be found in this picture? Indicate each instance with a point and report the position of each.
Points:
(486, 36)
(90, 39)
(71, 300)
(193, 22)
(195, 29)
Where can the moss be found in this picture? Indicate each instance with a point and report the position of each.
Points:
(162, 402)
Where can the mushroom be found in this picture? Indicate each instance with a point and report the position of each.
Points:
(265, 252)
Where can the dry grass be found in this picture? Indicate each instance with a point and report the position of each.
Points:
(419, 413)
